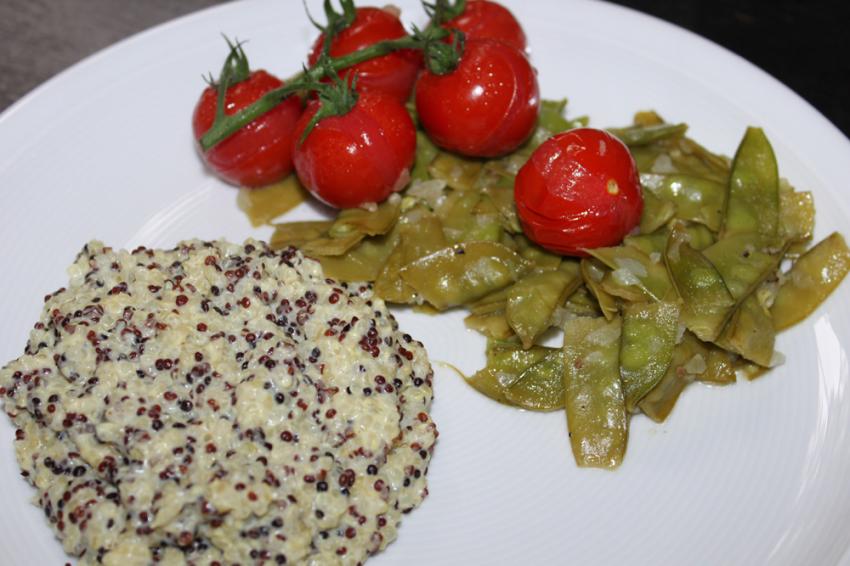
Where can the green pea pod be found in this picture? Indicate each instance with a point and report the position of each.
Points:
(656, 213)
(426, 152)
(298, 233)
(593, 394)
(505, 364)
(742, 265)
(264, 204)
(364, 262)
(541, 258)
(796, 214)
(552, 118)
(707, 302)
(458, 173)
(593, 272)
(582, 303)
(633, 268)
(752, 204)
(492, 325)
(699, 237)
(645, 135)
(750, 332)
(810, 281)
(369, 222)
(503, 198)
(417, 238)
(646, 350)
(463, 273)
(688, 361)
(496, 301)
(720, 366)
(541, 386)
(325, 246)
(696, 199)
(533, 299)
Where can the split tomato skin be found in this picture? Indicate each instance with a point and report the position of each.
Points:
(486, 107)
(579, 190)
(360, 157)
(394, 73)
(483, 19)
(261, 152)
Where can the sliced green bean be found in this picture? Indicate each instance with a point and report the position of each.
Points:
(369, 222)
(492, 325)
(810, 281)
(298, 233)
(593, 394)
(646, 350)
(645, 135)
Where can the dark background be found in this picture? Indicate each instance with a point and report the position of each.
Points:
(803, 44)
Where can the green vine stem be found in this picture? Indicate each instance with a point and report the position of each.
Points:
(230, 124)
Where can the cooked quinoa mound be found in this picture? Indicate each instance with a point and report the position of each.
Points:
(219, 404)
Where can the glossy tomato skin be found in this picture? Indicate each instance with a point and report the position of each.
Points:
(261, 152)
(360, 157)
(483, 19)
(393, 74)
(486, 107)
(579, 190)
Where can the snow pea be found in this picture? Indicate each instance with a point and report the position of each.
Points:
(364, 262)
(533, 299)
(742, 265)
(752, 203)
(593, 394)
(426, 152)
(750, 332)
(492, 325)
(646, 349)
(656, 212)
(459, 173)
(593, 272)
(463, 273)
(298, 233)
(540, 387)
(419, 235)
(810, 281)
(267, 203)
(707, 303)
(687, 363)
(645, 135)
(368, 222)
(636, 270)
(696, 199)
(505, 364)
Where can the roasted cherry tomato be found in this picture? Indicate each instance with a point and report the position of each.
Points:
(579, 190)
(360, 157)
(482, 19)
(486, 107)
(261, 152)
(394, 73)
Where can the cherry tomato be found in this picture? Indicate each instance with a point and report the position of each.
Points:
(261, 152)
(579, 190)
(394, 73)
(486, 107)
(360, 157)
(482, 19)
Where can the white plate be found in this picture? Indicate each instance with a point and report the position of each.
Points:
(756, 473)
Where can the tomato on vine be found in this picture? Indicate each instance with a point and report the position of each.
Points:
(357, 28)
(259, 153)
(486, 106)
(579, 190)
(354, 148)
(483, 19)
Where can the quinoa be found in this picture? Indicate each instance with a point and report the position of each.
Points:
(219, 404)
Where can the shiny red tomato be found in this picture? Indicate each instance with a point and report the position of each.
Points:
(579, 190)
(261, 152)
(394, 73)
(486, 107)
(360, 157)
(482, 19)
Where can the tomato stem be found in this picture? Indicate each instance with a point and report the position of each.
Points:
(227, 125)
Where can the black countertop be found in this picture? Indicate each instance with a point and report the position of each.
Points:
(803, 44)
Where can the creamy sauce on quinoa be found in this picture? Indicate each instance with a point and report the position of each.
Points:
(219, 404)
